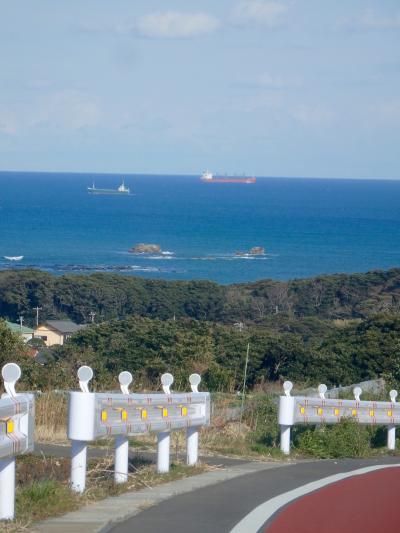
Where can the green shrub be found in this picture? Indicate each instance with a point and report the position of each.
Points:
(261, 415)
(347, 439)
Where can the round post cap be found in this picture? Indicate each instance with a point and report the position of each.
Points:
(357, 391)
(11, 373)
(167, 379)
(393, 395)
(125, 378)
(287, 387)
(194, 380)
(85, 374)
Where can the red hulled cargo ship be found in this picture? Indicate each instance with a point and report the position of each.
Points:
(208, 177)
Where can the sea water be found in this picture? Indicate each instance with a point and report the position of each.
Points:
(307, 226)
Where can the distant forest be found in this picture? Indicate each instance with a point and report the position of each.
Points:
(113, 296)
(337, 329)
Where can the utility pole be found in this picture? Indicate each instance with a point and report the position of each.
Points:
(244, 384)
(37, 309)
(92, 314)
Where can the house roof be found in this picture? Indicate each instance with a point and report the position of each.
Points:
(17, 328)
(63, 326)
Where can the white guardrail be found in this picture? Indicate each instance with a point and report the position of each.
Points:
(96, 415)
(17, 425)
(306, 410)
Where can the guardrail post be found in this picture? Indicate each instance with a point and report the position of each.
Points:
(391, 436)
(7, 488)
(121, 459)
(121, 466)
(79, 447)
(286, 406)
(78, 465)
(18, 422)
(163, 444)
(164, 438)
(192, 433)
(192, 446)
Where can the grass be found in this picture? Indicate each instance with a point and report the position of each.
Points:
(51, 417)
(43, 486)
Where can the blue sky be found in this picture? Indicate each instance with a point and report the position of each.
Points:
(272, 88)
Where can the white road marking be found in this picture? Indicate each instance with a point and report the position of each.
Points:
(252, 522)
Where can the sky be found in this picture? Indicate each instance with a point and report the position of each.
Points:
(262, 87)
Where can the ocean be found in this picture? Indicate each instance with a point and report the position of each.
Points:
(308, 227)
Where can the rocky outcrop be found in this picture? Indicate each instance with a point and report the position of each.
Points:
(143, 248)
(256, 250)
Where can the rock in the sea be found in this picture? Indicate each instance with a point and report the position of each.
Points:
(257, 250)
(143, 248)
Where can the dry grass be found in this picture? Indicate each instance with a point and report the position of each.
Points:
(43, 486)
(51, 417)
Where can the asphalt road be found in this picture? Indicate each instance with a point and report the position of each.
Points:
(218, 508)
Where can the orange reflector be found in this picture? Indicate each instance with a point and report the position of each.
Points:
(184, 411)
(302, 410)
(164, 412)
(372, 413)
(10, 426)
(320, 411)
(144, 413)
(124, 415)
(104, 416)
(354, 412)
(390, 413)
(337, 412)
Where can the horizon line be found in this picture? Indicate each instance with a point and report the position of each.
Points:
(190, 175)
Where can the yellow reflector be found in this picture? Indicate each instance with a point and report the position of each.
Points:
(144, 413)
(320, 411)
(124, 415)
(337, 412)
(10, 426)
(104, 416)
(164, 412)
(184, 411)
(302, 410)
(354, 412)
(372, 413)
(390, 413)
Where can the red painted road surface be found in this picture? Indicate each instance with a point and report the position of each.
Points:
(369, 503)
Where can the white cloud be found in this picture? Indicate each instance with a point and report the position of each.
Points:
(370, 19)
(7, 122)
(387, 112)
(71, 110)
(266, 13)
(270, 81)
(176, 25)
(312, 115)
(67, 110)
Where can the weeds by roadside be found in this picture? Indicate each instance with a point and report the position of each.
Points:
(43, 486)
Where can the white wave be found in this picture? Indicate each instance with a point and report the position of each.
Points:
(168, 253)
(159, 257)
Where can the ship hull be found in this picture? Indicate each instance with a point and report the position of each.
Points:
(108, 192)
(230, 180)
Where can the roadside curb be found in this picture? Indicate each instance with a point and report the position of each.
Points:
(101, 516)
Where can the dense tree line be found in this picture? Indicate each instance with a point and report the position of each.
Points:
(337, 329)
(110, 296)
(149, 347)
